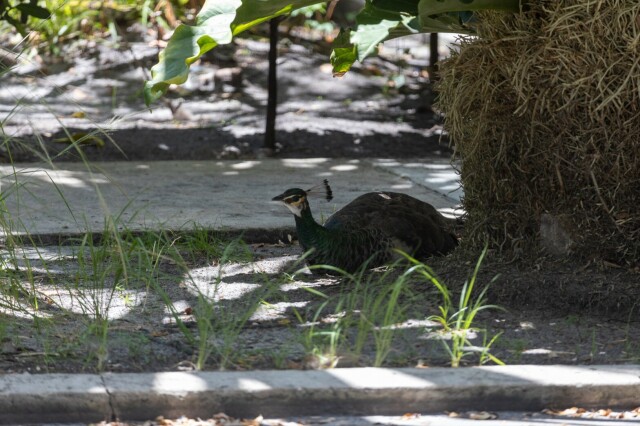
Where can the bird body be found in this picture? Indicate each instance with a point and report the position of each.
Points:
(367, 230)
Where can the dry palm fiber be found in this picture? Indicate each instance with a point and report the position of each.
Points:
(544, 111)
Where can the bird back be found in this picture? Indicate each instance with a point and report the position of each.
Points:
(402, 221)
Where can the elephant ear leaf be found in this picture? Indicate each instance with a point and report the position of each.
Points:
(376, 22)
(220, 20)
(217, 23)
(382, 20)
(188, 43)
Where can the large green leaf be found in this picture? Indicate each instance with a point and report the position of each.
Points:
(217, 23)
(343, 54)
(382, 20)
(377, 25)
(379, 20)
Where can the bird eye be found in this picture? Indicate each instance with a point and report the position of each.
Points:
(293, 199)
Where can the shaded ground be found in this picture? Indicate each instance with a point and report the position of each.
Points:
(546, 319)
(556, 312)
(378, 109)
(211, 144)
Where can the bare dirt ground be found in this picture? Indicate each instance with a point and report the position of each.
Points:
(553, 313)
(573, 312)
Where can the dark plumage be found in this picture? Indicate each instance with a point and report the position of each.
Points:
(369, 228)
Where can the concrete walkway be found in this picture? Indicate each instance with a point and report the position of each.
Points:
(226, 195)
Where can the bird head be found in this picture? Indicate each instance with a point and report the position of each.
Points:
(296, 199)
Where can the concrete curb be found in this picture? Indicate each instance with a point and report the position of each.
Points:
(359, 391)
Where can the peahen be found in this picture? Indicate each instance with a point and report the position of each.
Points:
(368, 229)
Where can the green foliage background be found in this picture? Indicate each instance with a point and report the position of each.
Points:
(379, 20)
(52, 24)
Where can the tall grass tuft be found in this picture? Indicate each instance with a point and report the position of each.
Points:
(458, 321)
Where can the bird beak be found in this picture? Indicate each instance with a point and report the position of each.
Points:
(278, 198)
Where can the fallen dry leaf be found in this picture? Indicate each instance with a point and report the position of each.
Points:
(409, 416)
(600, 413)
(161, 421)
(482, 415)
(253, 422)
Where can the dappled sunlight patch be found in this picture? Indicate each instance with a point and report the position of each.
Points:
(179, 306)
(404, 185)
(548, 353)
(244, 165)
(344, 167)
(221, 282)
(178, 382)
(449, 334)
(411, 323)
(435, 174)
(270, 265)
(389, 162)
(313, 124)
(41, 260)
(47, 253)
(40, 270)
(451, 212)
(252, 384)
(527, 325)
(208, 282)
(304, 163)
(275, 311)
(368, 379)
(93, 302)
(74, 179)
(316, 282)
(445, 180)
(22, 311)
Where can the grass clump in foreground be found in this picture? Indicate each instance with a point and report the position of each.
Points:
(111, 283)
(457, 324)
(375, 307)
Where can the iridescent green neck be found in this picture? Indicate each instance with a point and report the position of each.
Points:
(309, 231)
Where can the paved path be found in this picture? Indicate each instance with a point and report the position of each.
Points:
(227, 195)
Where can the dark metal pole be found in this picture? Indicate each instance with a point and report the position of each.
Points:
(433, 51)
(272, 87)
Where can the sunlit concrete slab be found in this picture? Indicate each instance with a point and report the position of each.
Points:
(336, 392)
(437, 174)
(178, 195)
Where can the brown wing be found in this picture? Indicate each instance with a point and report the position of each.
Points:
(417, 226)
